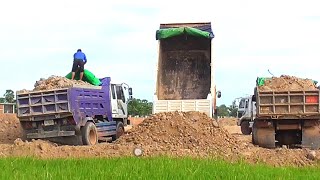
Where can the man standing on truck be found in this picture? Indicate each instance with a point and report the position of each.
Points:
(79, 60)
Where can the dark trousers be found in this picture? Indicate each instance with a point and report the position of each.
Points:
(78, 63)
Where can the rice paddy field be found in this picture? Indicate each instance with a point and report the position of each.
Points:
(146, 168)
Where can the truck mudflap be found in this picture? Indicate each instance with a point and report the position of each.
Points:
(49, 134)
(311, 134)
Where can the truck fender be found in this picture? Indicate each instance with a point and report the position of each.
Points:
(82, 123)
(239, 121)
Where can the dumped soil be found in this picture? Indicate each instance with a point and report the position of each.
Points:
(56, 82)
(182, 134)
(10, 128)
(227, 122)
(288, 83)
(276, 157)
(172, 134)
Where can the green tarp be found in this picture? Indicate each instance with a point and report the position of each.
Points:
(261, 81)
(171, 32)
(87, 77)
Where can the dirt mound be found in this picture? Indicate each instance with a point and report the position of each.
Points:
(174, 134)
(227, 121)
(47, 150)
(10, 128)
(179, 134)
(287, 83)
(55, 82)
(280, 156)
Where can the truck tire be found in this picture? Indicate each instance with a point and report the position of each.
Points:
(245, 128)
(254, 135)
(89, 134)
(119, 131)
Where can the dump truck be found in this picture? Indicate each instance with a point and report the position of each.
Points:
(81, 115)
(286, 117)
(185, 69)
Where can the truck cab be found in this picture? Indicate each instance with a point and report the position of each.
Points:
(246, 114)
(121, 94)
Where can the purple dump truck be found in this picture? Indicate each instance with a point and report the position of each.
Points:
(76, 115)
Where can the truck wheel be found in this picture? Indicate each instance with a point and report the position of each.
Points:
(89, 134)
(119, 131)
(245, 128)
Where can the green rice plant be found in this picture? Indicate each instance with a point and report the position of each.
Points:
(146, 168)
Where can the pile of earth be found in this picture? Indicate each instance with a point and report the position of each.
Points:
(181, 134)
(172, 134)
(287, 83)
(56, 82)
(230, 121)
(10, 128)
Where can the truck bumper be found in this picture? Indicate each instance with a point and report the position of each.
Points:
(49, 134)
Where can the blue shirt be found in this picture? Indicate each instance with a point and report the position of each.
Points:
(80, 55)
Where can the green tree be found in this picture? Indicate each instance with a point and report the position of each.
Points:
(223, 110)
(233, 109)
(139, 107)
(9, 96)
(2, 100)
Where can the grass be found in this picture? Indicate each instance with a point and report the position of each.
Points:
(145, 168)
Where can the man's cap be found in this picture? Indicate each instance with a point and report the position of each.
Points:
(79, 50)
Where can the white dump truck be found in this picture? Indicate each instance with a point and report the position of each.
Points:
(185, 70)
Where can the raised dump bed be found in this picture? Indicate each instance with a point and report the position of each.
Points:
(185, 71)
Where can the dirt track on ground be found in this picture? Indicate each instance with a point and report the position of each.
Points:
(173, 134)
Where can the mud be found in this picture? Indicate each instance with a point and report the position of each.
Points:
(287, 83)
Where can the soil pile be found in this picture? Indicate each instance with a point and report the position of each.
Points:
(172, 134)
(227, 121)
(56, 82)
(10, 128)
(180, 134)
(288, 83)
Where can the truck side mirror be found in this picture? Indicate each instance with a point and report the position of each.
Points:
(130, 93)
(254, 98)
(219, 94)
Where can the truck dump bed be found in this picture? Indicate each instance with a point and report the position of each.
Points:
(288, 104)
(78, 102)
(185, 71)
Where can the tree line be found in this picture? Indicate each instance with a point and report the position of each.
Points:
(8, 97)
(226, 111)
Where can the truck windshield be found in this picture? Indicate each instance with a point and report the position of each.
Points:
(242, 103)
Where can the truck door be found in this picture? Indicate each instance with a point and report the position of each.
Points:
(114, 103)
(121, 100)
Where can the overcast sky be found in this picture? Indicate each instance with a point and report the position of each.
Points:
(39, 37)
